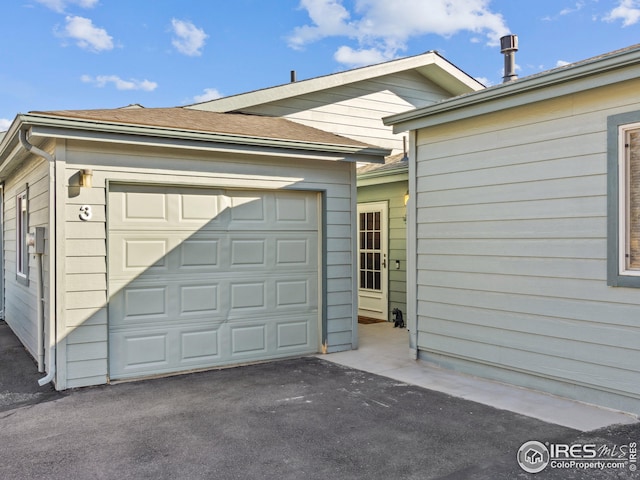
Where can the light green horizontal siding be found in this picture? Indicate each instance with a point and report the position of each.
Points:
(20, 301)
(512, 250)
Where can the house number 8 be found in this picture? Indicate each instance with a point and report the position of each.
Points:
(85, 213)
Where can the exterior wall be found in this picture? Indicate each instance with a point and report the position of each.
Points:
(512, 250)
(393, 193)
(356, 111)
(21, 300)
(85, 313)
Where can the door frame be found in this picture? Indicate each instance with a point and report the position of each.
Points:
(382, 298)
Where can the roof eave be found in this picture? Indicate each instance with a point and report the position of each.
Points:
(559, 82)
(430, 64)
(42, 126)
(378, 178)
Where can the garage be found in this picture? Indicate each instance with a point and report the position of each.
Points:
(204, 277)
(170, 240)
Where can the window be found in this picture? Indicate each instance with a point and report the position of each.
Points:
(22, 227)
(624, 200)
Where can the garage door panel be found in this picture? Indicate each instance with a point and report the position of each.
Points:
(231, 277)
(135, 352)
(295, 252)
(248, 209)
(250, 295)
(293, 334)
(248, 252)
(135, 254)
(293, 293)
(199, 345)
(199, 299)
(144, 302)
(293, 210)
(200, 253)
(202, 208)
(145, 254)
(248, 339)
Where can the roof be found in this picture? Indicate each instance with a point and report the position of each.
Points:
(430, 64)
(183, 128)
(393, 164)
(210, 122)
(607, 69)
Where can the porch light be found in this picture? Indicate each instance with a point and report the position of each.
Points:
(406, 200)
(86, 178)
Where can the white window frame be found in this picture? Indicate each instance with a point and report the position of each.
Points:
(619, 127)
(22, 229)
(624, 235)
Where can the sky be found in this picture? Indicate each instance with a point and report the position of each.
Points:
(89, 54)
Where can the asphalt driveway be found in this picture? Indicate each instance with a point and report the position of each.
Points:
(294, 419)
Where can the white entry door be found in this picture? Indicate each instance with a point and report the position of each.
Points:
(372, 260)
(205, 277)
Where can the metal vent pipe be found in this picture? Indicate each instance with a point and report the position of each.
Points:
(509, 47)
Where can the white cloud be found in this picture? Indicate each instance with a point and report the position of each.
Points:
(61, 5)
(87, 35)
(562, 63)
(5, 123)
(627, 10)
(386, 26)
(209, 94)
(351, 57)
(330, 18)
(566, 11)
(188, 39)
(485, 81)
(119, 83)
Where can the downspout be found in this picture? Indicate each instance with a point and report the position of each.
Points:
(40, 310)
(412, 249)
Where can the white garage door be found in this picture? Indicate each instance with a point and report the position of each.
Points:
(202, 277)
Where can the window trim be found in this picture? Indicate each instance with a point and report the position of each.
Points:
(22, 232)
(618, 126)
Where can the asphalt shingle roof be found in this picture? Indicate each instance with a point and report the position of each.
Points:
(210, 122)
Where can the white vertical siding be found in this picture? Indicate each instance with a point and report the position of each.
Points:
(511, 226)
(21, 300)
(86, 242)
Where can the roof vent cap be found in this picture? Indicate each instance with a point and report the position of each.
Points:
(509, 47)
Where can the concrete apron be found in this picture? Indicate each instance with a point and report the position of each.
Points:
(384, 350)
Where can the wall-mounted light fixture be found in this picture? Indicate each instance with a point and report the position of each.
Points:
(86, 178)
(406, 200)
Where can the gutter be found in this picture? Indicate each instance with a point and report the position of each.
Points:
(81, 127)
(40, 285)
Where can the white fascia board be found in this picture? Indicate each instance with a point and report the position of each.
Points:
(72, 129)
(429, 64)
(449, 77)
(555, 83)
(10, 138)
(382, 179)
